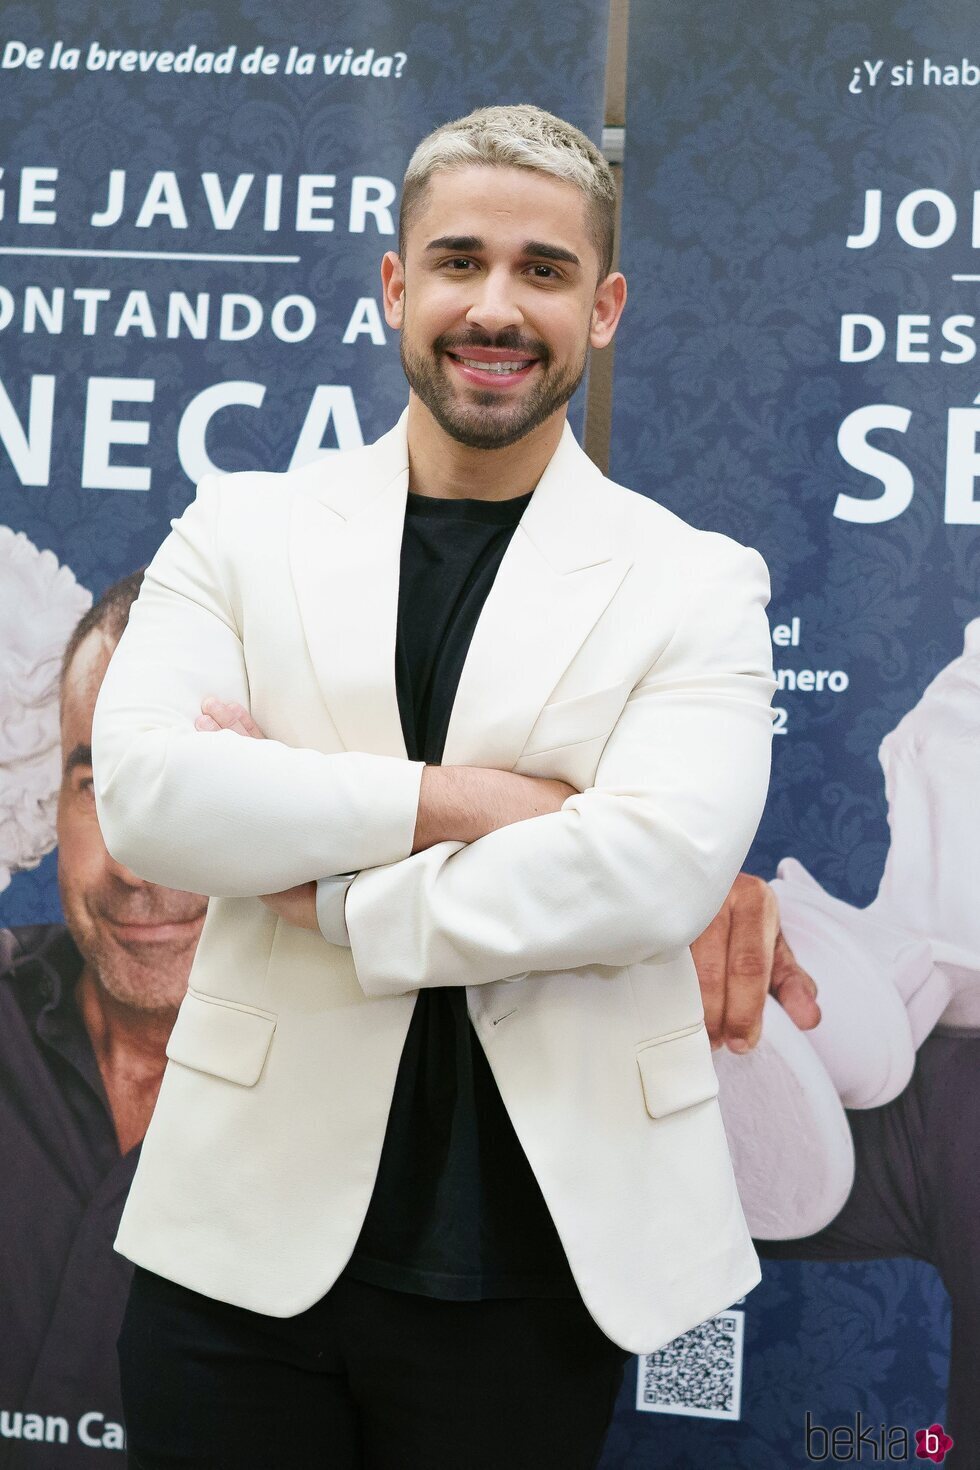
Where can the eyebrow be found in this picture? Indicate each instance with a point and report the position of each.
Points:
(540, 249)
(80, 756)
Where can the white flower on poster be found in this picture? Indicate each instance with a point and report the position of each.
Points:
(40, 604)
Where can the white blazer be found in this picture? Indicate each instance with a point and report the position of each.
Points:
(620, 650)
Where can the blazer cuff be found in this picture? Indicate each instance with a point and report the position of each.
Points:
(331, 894)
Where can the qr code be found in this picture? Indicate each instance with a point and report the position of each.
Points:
(698, 1373)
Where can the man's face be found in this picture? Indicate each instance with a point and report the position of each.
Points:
(497, 301)
(138, 938)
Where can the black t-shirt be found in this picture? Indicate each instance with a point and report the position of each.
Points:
(456, 1210)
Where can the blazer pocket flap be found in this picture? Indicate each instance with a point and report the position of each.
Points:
(569, 721)
(677, 1072)
(221, 1037)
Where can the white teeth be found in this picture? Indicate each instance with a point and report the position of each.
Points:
(496, 367)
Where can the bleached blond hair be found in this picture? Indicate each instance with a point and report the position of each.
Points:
(521, 136)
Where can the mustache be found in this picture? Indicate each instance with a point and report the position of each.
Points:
(509, 340)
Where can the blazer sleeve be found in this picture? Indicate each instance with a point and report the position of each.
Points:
(633, 867)
(216, 812)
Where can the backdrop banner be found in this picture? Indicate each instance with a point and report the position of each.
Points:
(796, 369)
(194, 202)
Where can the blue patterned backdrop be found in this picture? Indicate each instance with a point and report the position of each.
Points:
(753, 134)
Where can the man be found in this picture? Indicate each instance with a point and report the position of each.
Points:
(438, 1146)
(86, 1009)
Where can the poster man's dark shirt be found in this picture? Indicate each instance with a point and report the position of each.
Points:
(63, 1288)
(456, 1210)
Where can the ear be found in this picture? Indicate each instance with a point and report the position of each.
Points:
(393, 288)
(610, 298)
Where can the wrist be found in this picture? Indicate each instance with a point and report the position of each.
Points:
(454, 805)
(431, 814)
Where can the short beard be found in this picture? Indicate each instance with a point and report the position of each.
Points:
(473, 425)
(154, 984)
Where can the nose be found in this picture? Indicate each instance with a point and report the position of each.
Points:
(495, 306)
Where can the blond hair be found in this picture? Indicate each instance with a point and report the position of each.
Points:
(521, 136)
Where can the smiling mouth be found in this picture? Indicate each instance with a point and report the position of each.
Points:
(493, 372)
(516, 366)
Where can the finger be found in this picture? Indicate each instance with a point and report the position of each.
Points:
(240, 719)
(225, 715)
(232, 716)
(794, 988)
(709, 953)
(217, 709)
(751, 948)
(205, 722)
(251, 728)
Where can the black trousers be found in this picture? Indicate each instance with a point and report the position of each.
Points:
(365, 1379)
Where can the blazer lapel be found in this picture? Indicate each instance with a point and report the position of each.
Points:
(555, 580)
(345, 552)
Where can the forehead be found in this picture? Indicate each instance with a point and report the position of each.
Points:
(503, 206)
(82, 683)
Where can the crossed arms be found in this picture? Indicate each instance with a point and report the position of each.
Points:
(456, 804)
(632, 867)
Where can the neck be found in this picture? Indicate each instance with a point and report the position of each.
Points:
(129, 1046)
(442, 467)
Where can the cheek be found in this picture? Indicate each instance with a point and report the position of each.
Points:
(441, 306)
(82, 854)
(564, 330)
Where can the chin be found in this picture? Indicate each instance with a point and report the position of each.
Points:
(490, 424)
(142, 991)
(479, 433)
(145, 977)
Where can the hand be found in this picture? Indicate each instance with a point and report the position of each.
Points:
(742, 957)
(295, 905)
(219, 715)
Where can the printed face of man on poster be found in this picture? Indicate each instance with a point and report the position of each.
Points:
(137, 939)
(85, 1012)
